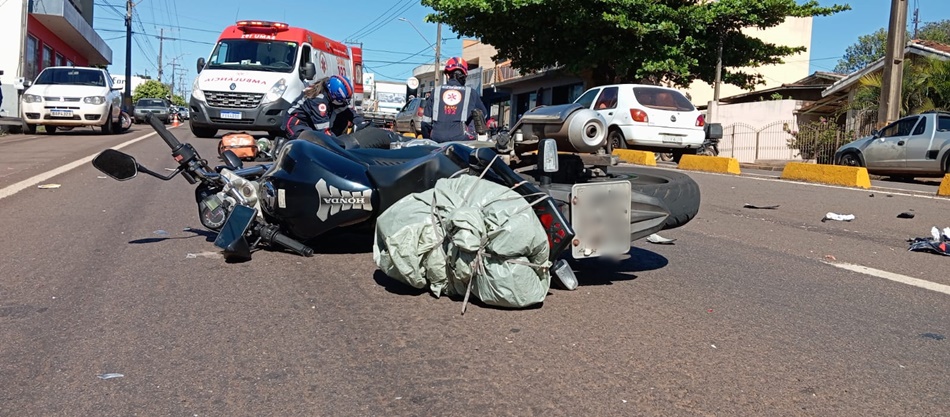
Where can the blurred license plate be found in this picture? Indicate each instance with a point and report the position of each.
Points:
(61, 113)
(230, 115)
(600, 214)
(671, 138)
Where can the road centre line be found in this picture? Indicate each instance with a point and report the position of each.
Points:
(903, 279)
(36, 179)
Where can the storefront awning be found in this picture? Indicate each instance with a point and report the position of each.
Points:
(61, 17)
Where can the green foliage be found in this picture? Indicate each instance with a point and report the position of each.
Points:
(150, 89)
(871, 47)
(816, 140)
(925, 86)
(675, 41)
(179, 100)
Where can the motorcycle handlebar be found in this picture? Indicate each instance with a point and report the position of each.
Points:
(287, 242)
(167, 136)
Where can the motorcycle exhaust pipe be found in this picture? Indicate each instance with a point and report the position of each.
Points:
(572, 126)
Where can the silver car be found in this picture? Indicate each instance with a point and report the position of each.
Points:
(914, 146)
(409, 118)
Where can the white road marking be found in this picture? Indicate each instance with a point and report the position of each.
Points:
(29, 182)
(903, 279)
(907, 193)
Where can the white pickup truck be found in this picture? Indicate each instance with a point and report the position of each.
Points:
(72, 97)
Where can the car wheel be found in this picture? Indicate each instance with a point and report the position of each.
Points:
(31, 129)
(203, 132)
(50, 130)
(615, 140)
(108, 127)
(850, 159)
(412, 129)
(664, 156)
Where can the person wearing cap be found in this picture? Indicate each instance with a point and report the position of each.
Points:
(447, 114)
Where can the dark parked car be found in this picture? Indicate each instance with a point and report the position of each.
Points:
(158, 107)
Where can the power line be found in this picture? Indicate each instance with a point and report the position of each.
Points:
(396, 62)
(373, 21)
(180, 27)
(405, 6)
(156, 36)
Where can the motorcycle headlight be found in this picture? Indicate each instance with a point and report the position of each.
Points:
(276, 92)
(32, 98)
(94, 100)
(196, 92)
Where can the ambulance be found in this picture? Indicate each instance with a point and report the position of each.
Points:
(258, 69)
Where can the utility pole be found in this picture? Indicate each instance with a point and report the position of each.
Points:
(890, 101)
(174, 66)
(713, 108)
(127, 99)
(161, 39)
(436, 71)
(916, 20)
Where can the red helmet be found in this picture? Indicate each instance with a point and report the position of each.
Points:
(456, 63)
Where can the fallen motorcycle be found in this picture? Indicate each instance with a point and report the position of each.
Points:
(318, 183)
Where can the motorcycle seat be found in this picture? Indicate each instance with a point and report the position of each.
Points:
(349, 148)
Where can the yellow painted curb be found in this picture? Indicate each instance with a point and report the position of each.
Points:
(636, 157)
(827, 174)
(944, 189)
(409, 135)
(710, 164)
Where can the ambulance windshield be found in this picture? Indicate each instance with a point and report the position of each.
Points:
(254, 55)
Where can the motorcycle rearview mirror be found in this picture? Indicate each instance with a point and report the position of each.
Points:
(231, 160)
(116, 164)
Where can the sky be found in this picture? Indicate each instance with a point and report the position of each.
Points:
(392, 48)
(831, 35)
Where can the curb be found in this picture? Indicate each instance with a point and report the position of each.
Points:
(704, 163)
(944, 190)
(636, 157)
(827, 174)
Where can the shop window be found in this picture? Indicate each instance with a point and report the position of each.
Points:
(47, 57)
(60, 61)
(69, 63)
(32, 63)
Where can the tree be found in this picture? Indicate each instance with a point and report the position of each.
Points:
(150, 89)
(870, 48)
(925, 86)
(179, 100)
(674, 41)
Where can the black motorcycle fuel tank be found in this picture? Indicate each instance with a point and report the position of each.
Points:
(310, 190)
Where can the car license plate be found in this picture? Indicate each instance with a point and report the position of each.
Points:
(231, 115)
(671, 139)
(61, 113)
(600, 214)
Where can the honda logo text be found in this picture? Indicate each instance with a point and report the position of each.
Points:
(333, 200)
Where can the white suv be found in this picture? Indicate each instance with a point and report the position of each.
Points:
(647, 117)
(72, 97)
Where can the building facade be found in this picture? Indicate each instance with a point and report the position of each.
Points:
(45, 33)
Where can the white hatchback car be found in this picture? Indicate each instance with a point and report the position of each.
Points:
(647, 117)
(72, 97)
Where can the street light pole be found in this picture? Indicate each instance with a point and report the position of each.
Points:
(437, 47)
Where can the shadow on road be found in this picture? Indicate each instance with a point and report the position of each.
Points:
(606, 271)
(208, 235)
(395, 287)
(343, 243)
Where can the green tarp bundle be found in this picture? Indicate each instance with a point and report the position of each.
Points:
(466, 230)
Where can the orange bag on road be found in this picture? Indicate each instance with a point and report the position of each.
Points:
(242, 144)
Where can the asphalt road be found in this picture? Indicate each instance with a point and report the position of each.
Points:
(743, 315)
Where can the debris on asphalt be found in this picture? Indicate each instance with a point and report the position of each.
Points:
(170, 169)
(872, 195)
(48, 186)
(101, 177)
(906, 215)
(938, 242)
(660, 240)
(831, 258)
(889, 196)
(752, 206)
(110, 376)
(160, 232)
(838, 217)
(934, 336)
(209, 255)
